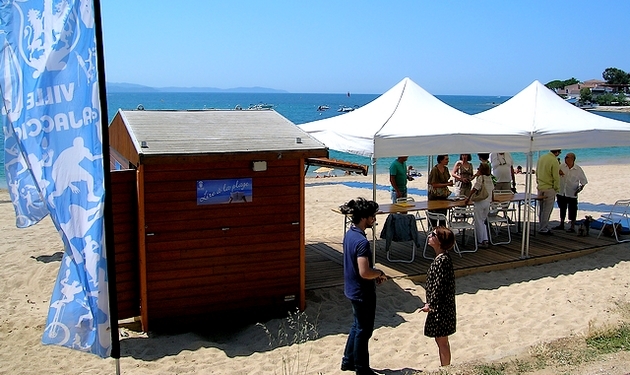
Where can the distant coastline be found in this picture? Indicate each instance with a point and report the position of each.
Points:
(607, 108)
(132, 87)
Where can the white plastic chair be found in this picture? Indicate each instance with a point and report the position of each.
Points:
(461, 214)
(497, 219)
(437, 218)
(419, 218)
(390, 225)
(508, 209)
(462, 219)
(617, 216)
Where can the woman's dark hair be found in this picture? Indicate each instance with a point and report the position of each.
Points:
(441, 157)
(445, 237)
(461, 157)
(483, 156)
(484, 169)
(359, 208)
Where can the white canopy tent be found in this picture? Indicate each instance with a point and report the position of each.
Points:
(407, 120)
(550, 123)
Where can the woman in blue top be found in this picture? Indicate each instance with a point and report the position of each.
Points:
(360, 280)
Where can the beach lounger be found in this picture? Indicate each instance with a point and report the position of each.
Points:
(618, 218)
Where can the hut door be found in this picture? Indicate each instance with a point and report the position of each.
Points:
(124, 207)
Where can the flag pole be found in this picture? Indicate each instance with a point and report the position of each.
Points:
(108, 215)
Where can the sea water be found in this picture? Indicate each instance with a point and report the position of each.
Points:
(302, 108)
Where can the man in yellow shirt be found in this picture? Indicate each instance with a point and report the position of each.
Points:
(548, 184)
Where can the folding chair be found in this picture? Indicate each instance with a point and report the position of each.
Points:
(437, 218)
(508, 209)
(462, 219)
(400, 228)
(419, 218)
(619, 214)
(461, 214)
(497, 219)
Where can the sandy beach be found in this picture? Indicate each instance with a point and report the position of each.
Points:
(500, 313)
(610, 108)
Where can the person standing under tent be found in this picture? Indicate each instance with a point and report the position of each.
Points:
(463, 173)
(482, 208)
(398, 177)
(360, 280)
(548, 184)
(485, 158)
(439, 182)
(502, 165)
(572, 181)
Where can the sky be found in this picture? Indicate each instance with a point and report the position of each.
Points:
(485, 47)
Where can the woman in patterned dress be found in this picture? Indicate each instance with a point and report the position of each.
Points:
(440, 293)
(463, 173)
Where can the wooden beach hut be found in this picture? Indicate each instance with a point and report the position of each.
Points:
(220, 211)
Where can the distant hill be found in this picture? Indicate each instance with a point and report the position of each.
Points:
(128, 87)
(132, 87)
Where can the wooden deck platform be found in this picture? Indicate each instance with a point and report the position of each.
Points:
(324, 256)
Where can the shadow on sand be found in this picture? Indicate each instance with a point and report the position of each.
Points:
(327, 308)
(608, 257)
(56, 257)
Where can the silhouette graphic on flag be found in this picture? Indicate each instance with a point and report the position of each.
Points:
(51, 120)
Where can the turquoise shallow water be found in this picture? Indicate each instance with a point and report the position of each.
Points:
(302, 108)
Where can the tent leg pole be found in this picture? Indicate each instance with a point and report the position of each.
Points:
(526, 213)
(530, 160)
(374, 179)
(528, 196)
(374, 199)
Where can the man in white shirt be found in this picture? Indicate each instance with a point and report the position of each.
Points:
(503, 171)
(572, 181)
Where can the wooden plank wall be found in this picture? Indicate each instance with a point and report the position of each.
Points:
(217, 258)
(125, 213)
(120, 140)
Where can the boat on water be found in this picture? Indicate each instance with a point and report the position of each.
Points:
(260, 106)
(343, 108)
(322, 108)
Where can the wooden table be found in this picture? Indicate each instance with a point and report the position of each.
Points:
(416, 207)
(442, 204)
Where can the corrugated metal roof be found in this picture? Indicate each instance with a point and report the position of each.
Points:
(215, 131)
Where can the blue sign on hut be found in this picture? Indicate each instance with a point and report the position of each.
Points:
(208, 212)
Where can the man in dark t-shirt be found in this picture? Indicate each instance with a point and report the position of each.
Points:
(360, 280)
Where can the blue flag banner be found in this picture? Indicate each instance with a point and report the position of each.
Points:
(54, 155)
